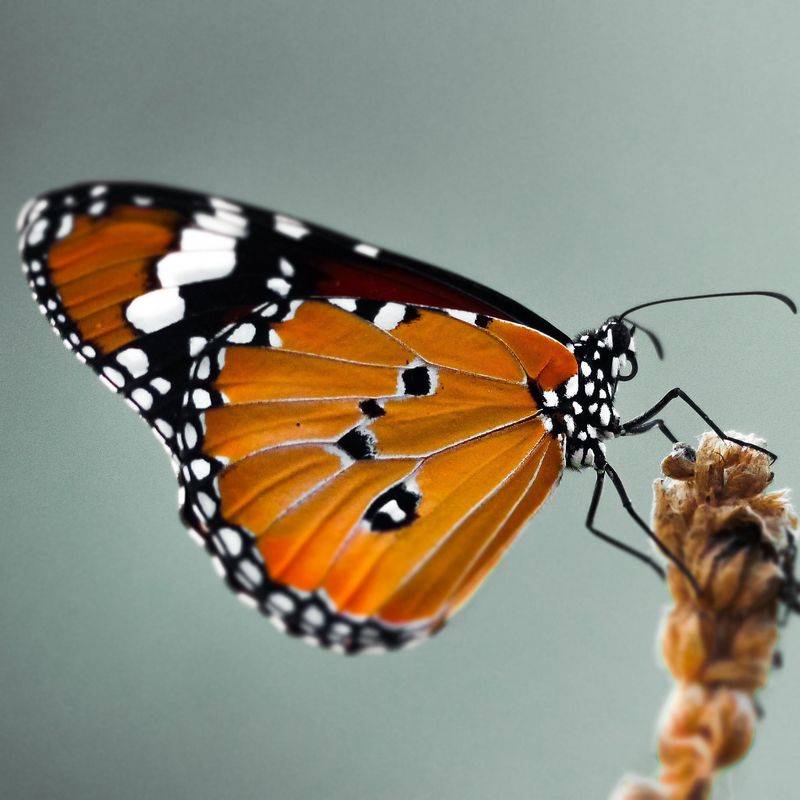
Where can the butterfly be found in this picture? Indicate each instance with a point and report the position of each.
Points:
(357, 436)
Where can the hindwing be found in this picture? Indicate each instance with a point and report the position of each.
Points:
(356, 475)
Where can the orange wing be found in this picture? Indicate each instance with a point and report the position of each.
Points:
(356, 466)
(358, 474)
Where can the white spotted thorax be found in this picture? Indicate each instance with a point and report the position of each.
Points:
(582, 409)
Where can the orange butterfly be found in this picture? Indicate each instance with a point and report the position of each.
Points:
(358, 436)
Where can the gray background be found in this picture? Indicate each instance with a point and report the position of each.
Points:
(580, 156)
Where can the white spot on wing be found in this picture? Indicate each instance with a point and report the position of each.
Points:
(231, 540)
(269, 310)
(201, 468)
(218, 566)
(286, 268)
(38, 207)
(227, 225)
(23, 213)
(189, 436)
(177, 269)
(221, 204)
(464, 316)
(206, 504)
(250, 572)
(142, 398)
(313, 616)
(390, 316)
(394, 511)
(279, 285)
(290, 227)
(134, 360)
(65, 227)
(368, 250)
(281, 602)
(161, 385)
(204, 368)
(345, 303)
(201, 398)
(114, 376)
(36, 233)
(243, 334)
(196, 239)
(196, 344)
(274, 339)
(164, 428)
(155, 310)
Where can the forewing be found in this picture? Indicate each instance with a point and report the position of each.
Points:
(135, 278)
(356, 474)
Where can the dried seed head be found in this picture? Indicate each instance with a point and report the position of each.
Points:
(712, 510)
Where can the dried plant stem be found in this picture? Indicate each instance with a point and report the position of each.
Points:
(712, 511)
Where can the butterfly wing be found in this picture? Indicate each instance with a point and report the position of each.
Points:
(318, 443)
(136, 277)
(356, 475)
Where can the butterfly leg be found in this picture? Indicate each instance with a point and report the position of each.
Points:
(628, 506)
(592, 513)
(635, 425)
(649, 425)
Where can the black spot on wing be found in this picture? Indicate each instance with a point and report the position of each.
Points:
(394, 509)
(416, 381)
(357, 443)
(412, 313)
(368, 309)
(372, 408)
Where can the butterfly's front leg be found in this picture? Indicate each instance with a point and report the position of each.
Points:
(659, 423)
(641, 424)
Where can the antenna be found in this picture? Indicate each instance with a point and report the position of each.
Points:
(782, 297)
(653, 338)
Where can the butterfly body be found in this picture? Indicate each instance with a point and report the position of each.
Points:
(358, 437)
(586, 402)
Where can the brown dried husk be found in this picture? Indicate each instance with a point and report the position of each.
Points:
(714, 514)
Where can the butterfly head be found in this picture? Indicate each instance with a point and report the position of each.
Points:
(582, 409)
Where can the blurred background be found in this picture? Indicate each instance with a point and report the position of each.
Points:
(582, 157)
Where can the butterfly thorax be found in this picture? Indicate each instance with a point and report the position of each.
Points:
(582, 408)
